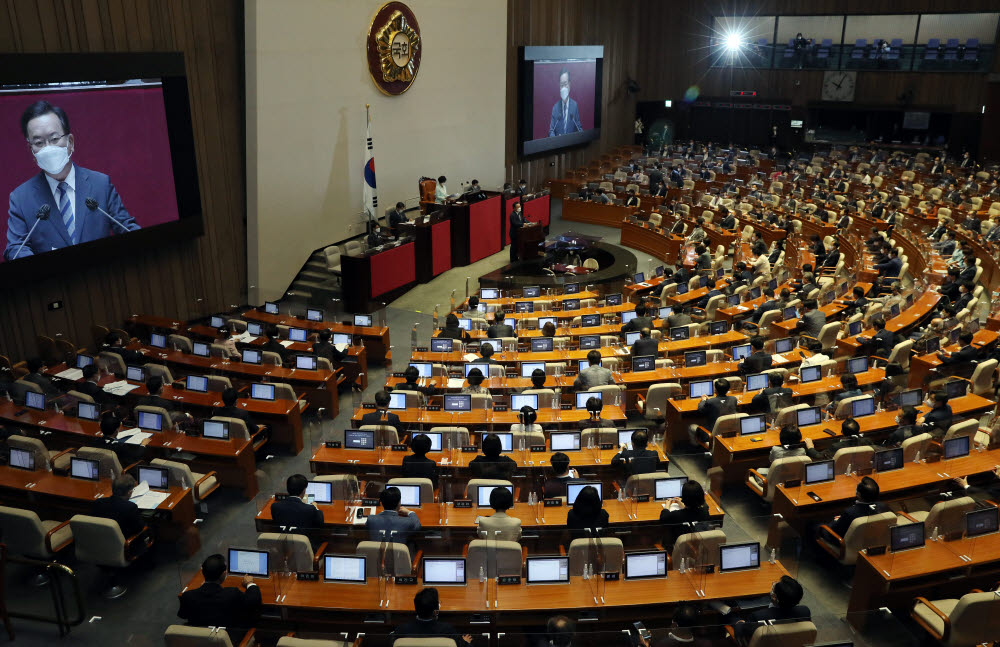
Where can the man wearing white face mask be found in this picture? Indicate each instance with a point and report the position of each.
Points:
(565, 113)
(64, 188)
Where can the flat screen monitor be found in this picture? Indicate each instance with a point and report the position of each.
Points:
(215, 429)
(465, 323)
(564, 441)
(443, 345)
(703, 281)
(590, 342)
(312, 314)
(645, 564)
(659, 270)
(784, 345)
(34, 400)
(524, 306)
(810, 374)
(741, 352)
(527, 368)
(519, 400)
(547, 320)
(217, 322)
(818, 472)
(357, 439)
(894, 310)
(756, 382)
(506, 439)
(854, 328)
(489, 293)
(260, 391)
(87, 411)
(888, 460)
(573, 488)
(583, 396)
(808, 416)
(252, 356)
(613, 299)
(911, 398)
(789, 313)
(719, 327)
(639, 277)
(346, 339)
(243, 561)
(862, 407)
(572, 288)
(21, 459)
(135, 373)
(363, 321)
(484, 492)
(255, 329)
(149, 421)
(158, 478)
(457, 402)
(982, 522)
(668, 488)
(409, 495)
(752, 425)
(628, 316)
(270, 307)
(583, 364)
(156, 340)
(955, 388)
(956, 447)
(197, 383)
(906, 536)
(682, 288)
(84, 360)
(568, 304)
(424, 369)
(397, 400)
(590, 321)
(700, 388)
(436, 438)
(739, 557)
(541, 344)
(643, 363)
(547, 570)
(857, 365)
(298, 334)
(933, 345)
(84, 468)
(696, 358)
(733, 300)
(306, 362)
(625, 437)
(632, 337)
(345, 569)
(440, 571)
(665, 312)
(531, 291)
(755, 293)
(320, 491)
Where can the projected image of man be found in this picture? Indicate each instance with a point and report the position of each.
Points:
(64, 202)
(565, 113)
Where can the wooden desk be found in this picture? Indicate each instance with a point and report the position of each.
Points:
(61, 497)
(608, 215)
(922, 365)
(906, 319)
(492, 419)
(376, 338)
(652, 240)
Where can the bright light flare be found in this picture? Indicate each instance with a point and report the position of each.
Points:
(733, 41)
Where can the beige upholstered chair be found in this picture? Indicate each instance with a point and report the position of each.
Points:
(394, 557)
(609, 552)
(970, 620)
(201, 485)
(345, 486)
(100, 541)
(947, 516)
(455, 436)
(654, 405)
(385, 435)
(108, 463)
(45, 459)
(495, 557)
(701, 547)
(864, 532)
(856, 457)
(166, 422)
(472, 489)
(426, 487)
(785, 634)
(185, 636)
(26, 534)
(288, 552)
(781, 470)
(640, 484)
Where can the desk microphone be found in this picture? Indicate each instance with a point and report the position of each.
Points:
(41, 214)
(93, 206)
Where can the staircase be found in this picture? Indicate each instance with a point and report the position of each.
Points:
(315, 284)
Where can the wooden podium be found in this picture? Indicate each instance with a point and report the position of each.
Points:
(529, 242)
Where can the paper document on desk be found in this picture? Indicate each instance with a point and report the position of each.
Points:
(150, 500)
(125, 433)
(244, 338)
(121, 387)
(779, 358)
(71, 374)
(342, 347)
(456, 382)
(139, 490)
(286, 343)
(470, 357)
(137, 438)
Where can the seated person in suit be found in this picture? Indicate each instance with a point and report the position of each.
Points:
(645, 345)
(697, 234)
(90, 385)
(475, 311)
(711, 409)
(411, 375)
(230, 410)
(680, 317)
(587, 512)
(858, 304)
(224, 337)
(538, 378)
(427, 624)
(594, 374)
(382, 415)
(293, 511)
(119, 509)
(127, 454)
(683, 629)
(486, 354)
(761, 402)
(215, 605)
(35, 366)
(154, 385)
(759, 360)
(500, 526)
(849, 382)
(685, 514)
(395, 523)
(786, 594)
(865, 505)
(492, 464)
(939, 418)
(417, 465)
(594, 420)
(966, 353)
(637, 460)
(272, 345)
(113, 343)
(789, 444)
(499, 328)
(704, 259)
(324, 348)
(397, 216)
(882, 342)
(475, 380)
(633, 200)
(376, 236)
(451, 329)
(555, 485)
(907, 421)
(851, 431)
(812, 320)
(640, 321)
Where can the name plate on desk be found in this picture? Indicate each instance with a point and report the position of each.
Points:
(399, 448)
(611, 577)
(875, 550)
(553, 503)
(509, 579)
(420, 349)
(792, 483)
(367, 405)
(537, 448)
(435, 407)
(469, 449)
(307, 576)
(406, 579)
(642, 498)
(500, 408)
(280, 496)
(398, 375)
(333, 444)
(607, 445)
(369, 502)
(567, 407)
(463, 503)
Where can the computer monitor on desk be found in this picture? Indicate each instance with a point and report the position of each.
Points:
(517, 401)
(255, 329)
(564, 441)
(573, 488)
(252, 356)
(699, 388)
(956, 447)
(484, 492)
(148, 421)
(741, 352)
(442, 345)
(320, 491)
(583, 396)
(643, 363)
(84, 468)
(590, 321)
(457, 402)
(216, 429)
(809, 374)
(397, 401)
(363, 321)
(357, 439)
(345, 569)
(739, 557)
(424, 369)
(862, 407)
(541, 344)
(245, 561)
(443, 571)
(527, 368)
(197, 383)
(645, 564)
(906, 536)
(632, 337)
(260, 391)
(87, 411)
(409, 495)
(135, 373)
(158, 478)
(298, 334)
(808, 416)
(752, 425)
(21, 459)
(547, 570)
(756, 382)
(982, 522)
(910, 398)
(668, 488)
(819, 472)
(888, 460)
(312, 314)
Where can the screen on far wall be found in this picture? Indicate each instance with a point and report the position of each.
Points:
(97, 154)
(560, 97)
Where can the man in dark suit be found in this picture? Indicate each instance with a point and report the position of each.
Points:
(676, 178)
(555, 485)
(641, 320)
(712, 408)
(486, 354)
(417, 465)
(812, 321)
(565, 117)
(953, 195)
(394, 523)
(427, 625)
(859, 303)
(293, 511)
(973, 224)
(786, 594)
(154, 386)
(411, 375)
(397, 216)
(966, 353)
(655, 178)
(231, 410)
(645, 345)
(878, 209)
(381, 415)
(759, 360)
(113, 343)
(498, 328)
(215, 605)
(89, 386)
(728, 220)
(761, 402)
(517, 223)
(272, 345)
(323, 347)
(937, 167)
(35, 366)
(865, 505)
(637, 460)
(940, 416)
(118, 508)
(851, 431)
(63, 188)
(376, 237)
(881, 344)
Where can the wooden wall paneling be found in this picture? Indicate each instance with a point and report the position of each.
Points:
(169, 280)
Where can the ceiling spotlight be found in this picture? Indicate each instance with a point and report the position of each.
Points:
(733, 41)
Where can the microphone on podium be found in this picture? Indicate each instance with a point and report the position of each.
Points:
(41, 214)
(93, 206)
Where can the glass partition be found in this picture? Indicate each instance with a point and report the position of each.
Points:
(956, 41)
(819, 46)
(885, 42)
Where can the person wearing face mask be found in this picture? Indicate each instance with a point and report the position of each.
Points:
(565, 113)
(376, 237)
(63, 188)
(522, 189)
(517, 223)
